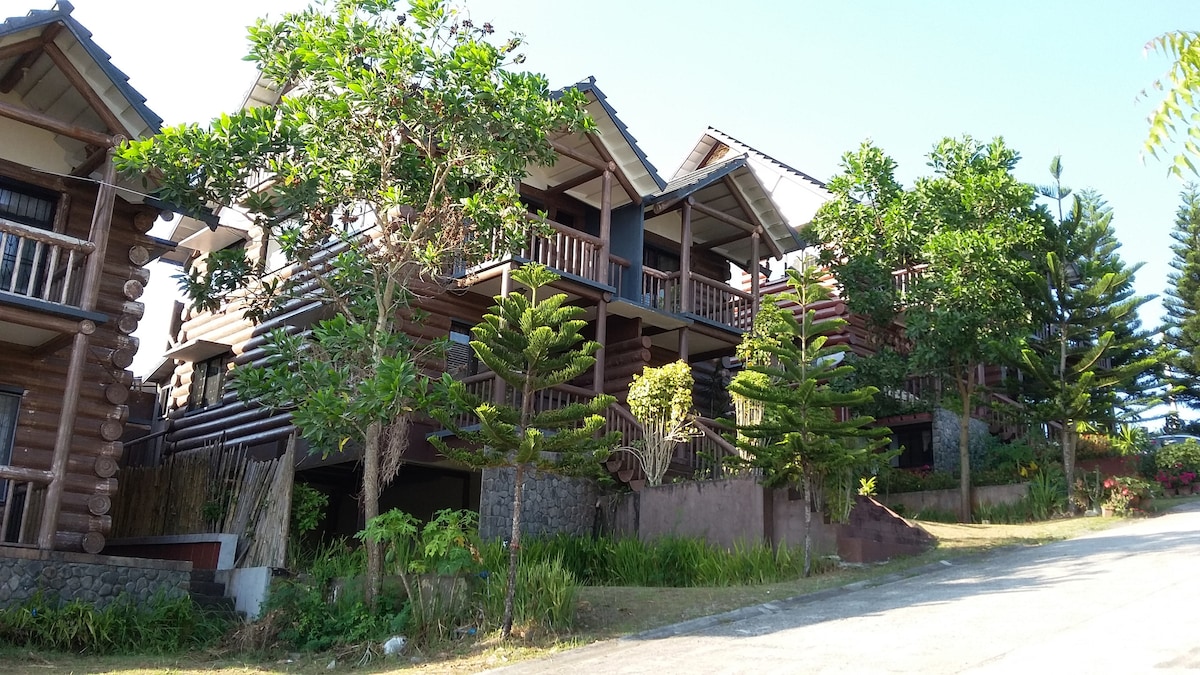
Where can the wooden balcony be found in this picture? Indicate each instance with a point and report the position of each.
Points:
(567, 251)
(42, 265)
(712, 300)
(22, 495)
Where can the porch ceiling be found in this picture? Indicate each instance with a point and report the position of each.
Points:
(30, 78)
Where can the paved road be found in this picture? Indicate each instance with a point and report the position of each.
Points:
(1126, 600)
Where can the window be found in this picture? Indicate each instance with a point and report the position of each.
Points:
(461, 360)
(208, 383)
(10, 407)
(28, 206)
(663, 261)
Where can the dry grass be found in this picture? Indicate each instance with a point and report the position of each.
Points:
(603, 613)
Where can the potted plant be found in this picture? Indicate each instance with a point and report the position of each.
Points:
(1124, 494)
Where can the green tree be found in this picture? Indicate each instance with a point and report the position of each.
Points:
(395, 153)
(1081, 360)
(533, 344)
(1178, 107)
(1181, 332)
(970, 307)
(802, 438)
(661, 401)
(964, 236)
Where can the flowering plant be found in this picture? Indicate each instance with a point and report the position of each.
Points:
(1166, 480)
(1186, 478)
(1123, 493)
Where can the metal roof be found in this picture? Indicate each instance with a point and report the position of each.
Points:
(120, 81)
(681, 186)
(589, 85)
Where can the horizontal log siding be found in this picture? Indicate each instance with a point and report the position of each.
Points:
(239, 423)
(41, 376)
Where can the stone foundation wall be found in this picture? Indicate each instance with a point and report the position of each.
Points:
(552, 504)
(96, 579)
(945, 440)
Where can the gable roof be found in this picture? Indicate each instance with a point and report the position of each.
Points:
(588, 86)
(76, 36)
(795, 194)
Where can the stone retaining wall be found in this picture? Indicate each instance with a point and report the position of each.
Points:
(97, 579)
(552, 504)
(945, 440)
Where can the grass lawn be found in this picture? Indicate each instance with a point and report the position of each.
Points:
(603, 613)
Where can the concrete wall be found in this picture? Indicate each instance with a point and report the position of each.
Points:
(248, 586)
(945, 440)
(729, 512)
(97, 579)
(947, 500)
(552, 504)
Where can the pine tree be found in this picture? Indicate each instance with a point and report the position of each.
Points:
(802, 439)
(533, 345)
(1092, 349)
(1181, 332)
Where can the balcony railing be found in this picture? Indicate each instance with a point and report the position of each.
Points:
(721, 303)
(660, 290)
(22, 493)
(566, 249)
(41, 264)
(902, 280)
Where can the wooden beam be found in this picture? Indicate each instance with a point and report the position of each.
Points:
(724, 240)
(81, 85)
(40, 320)
(755, 293)
(57, 126)
(601, 337)
(746, 227)
(750, 213)
(101, 224)
(685, 256)
(581, 158)
(93, 162)
(20, 48)
(575, 182)
(621, 178)
(29, 50)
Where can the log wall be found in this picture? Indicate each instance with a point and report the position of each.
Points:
(90, 481)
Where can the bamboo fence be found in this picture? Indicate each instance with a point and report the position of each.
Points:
(212, 489)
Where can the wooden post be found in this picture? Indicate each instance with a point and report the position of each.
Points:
(683, 344)
(685, 258)
(101, 223)
(602, 338)
(606, 266)
(755, 273)
(505, 289)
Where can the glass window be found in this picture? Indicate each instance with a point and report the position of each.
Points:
(208, 383)
(461, 360)
(10, 408)
(28, 206)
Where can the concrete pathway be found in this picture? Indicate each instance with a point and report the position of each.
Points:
(1126, 600)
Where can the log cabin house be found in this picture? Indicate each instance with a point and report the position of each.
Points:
(73, 250)
(651, 260)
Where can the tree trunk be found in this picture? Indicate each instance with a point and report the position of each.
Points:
(808, 509)
(964, 452)
(514, 547)
(1067, 439)
(370, 511)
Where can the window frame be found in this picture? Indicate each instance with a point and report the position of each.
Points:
(203, 375)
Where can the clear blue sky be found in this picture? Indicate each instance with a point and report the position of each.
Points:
(802, 81)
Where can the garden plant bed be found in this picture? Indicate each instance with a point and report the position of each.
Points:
(603, 613)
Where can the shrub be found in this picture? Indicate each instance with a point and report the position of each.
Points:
(1178, 458)
(122, 627)
(312, 622)
(545, 594)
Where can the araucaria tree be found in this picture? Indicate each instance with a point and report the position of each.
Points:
(1091, 348)
(533, 344)
(1178, 107)
(964, 237)
(808, 436)
(393, 154)
(1181, 332)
